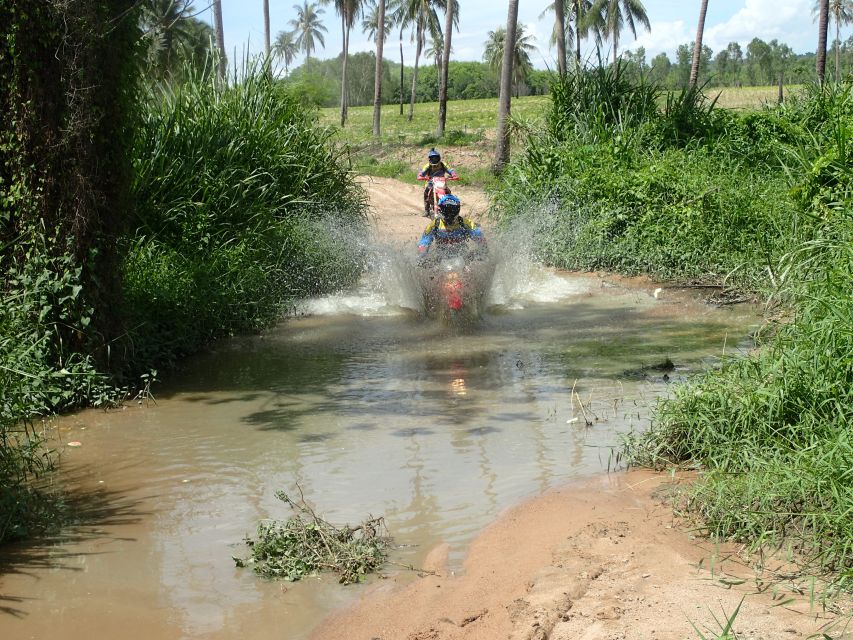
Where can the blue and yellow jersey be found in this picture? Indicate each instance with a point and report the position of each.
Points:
(442, 169)
(461, 230)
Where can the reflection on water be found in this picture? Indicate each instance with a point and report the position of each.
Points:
(370, 412)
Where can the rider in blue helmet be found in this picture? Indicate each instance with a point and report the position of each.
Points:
(451, 228)
(435, 167)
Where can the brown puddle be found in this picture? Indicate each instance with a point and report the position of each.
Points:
(369, 413)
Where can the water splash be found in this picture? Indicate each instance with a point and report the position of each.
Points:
(391, 283)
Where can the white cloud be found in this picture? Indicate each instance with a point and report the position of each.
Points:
(765, 19)
(664, 36)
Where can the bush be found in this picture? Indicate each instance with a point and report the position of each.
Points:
(241, 199)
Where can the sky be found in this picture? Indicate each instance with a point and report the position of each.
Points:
(673, 22)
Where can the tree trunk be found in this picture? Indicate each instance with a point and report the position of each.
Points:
(445, 66)
(418, 50)
(560, 32)
(578, 19)
(267, 28)
(502, 148)
(401, 71)
(345, 36)
(377, 78)
(697, 46)
(822, 25)
(220, 38)
(837, 48)
(615, 47)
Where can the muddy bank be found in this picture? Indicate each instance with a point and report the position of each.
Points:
(603, 560)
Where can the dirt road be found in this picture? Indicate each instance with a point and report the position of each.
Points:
(604, 560)
(396, 207)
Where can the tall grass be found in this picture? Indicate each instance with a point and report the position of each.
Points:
(241, 199)
(637, 183)
(773, 430)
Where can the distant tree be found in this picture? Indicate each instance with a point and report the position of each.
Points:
(435, 51)
(286, 48)
(735, 61)
(450, 18)
(522, 65)
(573, 27)
(683, 59)
(307, 27)
(636, 62)
(759, 61)
(660, 68)
(348, 10)
(697, 45)
(423, 17)
(612, 15)
(504, 102)
(381, 32)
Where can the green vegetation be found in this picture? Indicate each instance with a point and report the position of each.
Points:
(240, 201)
(67, 75)
(761, 202)
(139, 222)
(305, 545)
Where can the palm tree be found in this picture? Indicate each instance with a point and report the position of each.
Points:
(348, 10)
(267, 28)
(612, 15)
(377, 79)
(285, 47)
(422, 15)
(822, 23)
(307, 28)
(560, 35)
(697, 45)
(494, 54)
(574, 12)
(220, 37)
(841, 13)
(435, 51)
(502, 147)
(370, 21)
(449, 18)
(172, 34)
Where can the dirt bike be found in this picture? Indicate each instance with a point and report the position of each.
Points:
(454, 283)
(439, 189)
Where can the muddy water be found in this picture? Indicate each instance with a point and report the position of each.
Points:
(370, 409)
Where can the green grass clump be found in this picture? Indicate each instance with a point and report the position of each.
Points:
(305, 545)
(772, 430)
(243, 204)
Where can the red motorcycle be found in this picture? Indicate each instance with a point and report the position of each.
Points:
(439, 189)
(454, 286)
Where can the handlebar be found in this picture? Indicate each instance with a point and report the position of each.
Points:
(426, 179)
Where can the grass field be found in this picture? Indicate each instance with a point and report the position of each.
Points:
(468, 121)
(469, 139)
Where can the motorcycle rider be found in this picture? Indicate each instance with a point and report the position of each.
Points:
(435, 167)
(450, 229)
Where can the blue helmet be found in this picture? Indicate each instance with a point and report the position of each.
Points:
(434, 156)
(449, 206)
